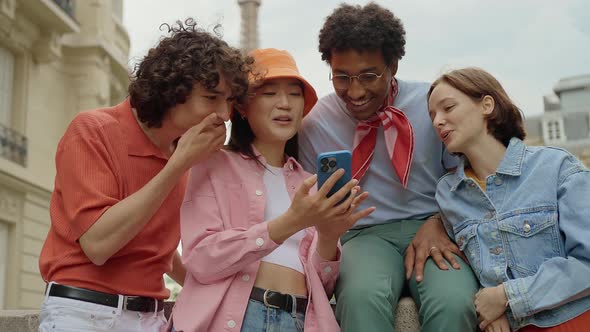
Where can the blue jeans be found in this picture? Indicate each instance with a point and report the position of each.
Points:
(259, 318)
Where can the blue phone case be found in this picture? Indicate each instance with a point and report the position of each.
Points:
(330, 162)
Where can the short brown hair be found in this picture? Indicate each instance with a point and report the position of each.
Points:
(506, 120)
(189, 55)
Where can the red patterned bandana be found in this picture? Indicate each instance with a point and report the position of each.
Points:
(399, 139)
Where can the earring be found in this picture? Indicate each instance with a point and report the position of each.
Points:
(242, 116)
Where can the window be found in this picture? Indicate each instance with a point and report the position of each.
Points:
(6, 81)
(13, 145)
(66, 5)
(3, 259)
(553, 130)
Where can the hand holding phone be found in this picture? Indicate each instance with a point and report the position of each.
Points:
(331, 220)
(330, 162)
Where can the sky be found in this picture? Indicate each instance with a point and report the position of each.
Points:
(528, 45)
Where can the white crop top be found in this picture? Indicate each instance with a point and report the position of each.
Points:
(277, 202)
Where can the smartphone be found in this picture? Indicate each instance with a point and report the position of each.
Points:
(330, 162)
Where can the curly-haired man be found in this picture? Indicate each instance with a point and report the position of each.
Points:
(398, 159)
(120, 182)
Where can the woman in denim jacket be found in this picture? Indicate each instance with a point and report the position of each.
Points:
(521, 214)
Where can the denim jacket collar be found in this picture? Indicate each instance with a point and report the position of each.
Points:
(459, 174)
(511, 164)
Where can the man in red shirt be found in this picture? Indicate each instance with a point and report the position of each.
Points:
(120, 182)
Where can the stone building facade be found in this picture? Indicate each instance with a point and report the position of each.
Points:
(57, 58)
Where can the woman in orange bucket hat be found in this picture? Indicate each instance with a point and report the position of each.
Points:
(260, 243)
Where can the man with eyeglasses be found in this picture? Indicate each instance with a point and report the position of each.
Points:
(398, 159)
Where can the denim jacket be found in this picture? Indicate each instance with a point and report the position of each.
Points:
(528, 230)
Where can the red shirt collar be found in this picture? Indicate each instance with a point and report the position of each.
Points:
(138, 143)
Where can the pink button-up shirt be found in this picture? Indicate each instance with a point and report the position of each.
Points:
(224, 236)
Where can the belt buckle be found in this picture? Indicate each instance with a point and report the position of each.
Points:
(126, 301)
(266, 302)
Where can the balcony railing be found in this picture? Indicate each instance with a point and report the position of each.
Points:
(67, 6)
(13, 146)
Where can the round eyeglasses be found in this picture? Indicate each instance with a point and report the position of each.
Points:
(343, 81)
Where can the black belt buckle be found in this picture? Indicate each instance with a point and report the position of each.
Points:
(265, 301)
(126, 301)
(142, 304)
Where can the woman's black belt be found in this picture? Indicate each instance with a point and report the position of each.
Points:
(278, 300)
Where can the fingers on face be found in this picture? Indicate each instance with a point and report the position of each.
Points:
(212, 121)
(219, 131)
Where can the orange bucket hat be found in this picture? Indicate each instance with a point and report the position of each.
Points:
(272, 63)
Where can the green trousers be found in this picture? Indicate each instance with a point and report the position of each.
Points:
(372, 278)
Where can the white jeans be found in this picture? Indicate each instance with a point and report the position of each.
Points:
(67, 315)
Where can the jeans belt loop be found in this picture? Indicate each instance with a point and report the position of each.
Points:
(122, 304)
(266, 302)
(294, 306)
(47, 289)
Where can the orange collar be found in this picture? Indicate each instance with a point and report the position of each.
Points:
(138, 143)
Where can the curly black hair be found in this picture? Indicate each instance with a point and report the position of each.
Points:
(369, 27)
(188, 56)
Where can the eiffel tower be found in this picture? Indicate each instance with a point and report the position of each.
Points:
(249, 28)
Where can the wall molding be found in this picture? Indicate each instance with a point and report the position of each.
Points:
(11, 203)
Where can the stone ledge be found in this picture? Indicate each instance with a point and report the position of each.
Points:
(28, 320)
(19, 320)
(407, 316)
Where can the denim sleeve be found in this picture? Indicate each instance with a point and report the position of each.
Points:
(560, 280)
(446, 224)
(441, 196)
